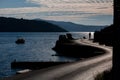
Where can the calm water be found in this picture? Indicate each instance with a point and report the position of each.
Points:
(37, 48)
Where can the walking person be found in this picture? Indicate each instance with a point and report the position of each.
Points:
(89, 35)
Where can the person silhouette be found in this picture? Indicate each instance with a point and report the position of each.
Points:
(89, 35)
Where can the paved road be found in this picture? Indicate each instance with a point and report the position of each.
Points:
(80, 70)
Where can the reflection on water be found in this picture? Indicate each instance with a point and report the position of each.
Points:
(37, 47)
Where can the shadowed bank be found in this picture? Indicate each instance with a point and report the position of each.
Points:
(67, 46)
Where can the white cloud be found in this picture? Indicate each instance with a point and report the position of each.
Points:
(65, 10)
(87, 6)
(95, 6)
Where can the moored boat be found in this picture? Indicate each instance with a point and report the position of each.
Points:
(20, 41)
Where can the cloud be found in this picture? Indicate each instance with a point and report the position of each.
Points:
(78, 5)
(87, 6)
(65, 10)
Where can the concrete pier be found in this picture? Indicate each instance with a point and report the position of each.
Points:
(34, 65)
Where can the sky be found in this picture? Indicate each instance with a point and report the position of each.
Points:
(88, 12)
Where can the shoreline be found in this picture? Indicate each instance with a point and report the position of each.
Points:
(72, 47)
(30, 73)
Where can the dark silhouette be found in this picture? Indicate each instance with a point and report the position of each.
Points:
(84, 37)
(35, 65)
(68, 47)
(116, 46)
(20, 41)
(69, 36)
(62, 38)
(65, 38)
(89, 35)
(105, 36)
(24, 25)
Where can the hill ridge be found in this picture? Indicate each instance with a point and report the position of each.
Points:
(24, 25)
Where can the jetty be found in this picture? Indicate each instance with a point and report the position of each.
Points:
(34, 65)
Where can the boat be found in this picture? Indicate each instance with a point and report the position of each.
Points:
(23, 71)
(20, 41)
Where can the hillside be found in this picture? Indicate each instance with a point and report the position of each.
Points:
(72, 27)
(24, 25)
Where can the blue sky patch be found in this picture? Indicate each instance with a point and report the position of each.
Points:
(16, 4)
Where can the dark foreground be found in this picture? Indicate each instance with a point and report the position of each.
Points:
(34, 65)
(106, 75)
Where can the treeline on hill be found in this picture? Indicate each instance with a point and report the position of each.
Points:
(24, 25)
(105, 36)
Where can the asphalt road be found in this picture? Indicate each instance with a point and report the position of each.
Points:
(85, 69)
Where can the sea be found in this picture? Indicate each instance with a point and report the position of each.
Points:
(38, 47)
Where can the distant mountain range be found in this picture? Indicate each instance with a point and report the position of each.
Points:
(72, 27)
(38, 25)
(24, 25)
